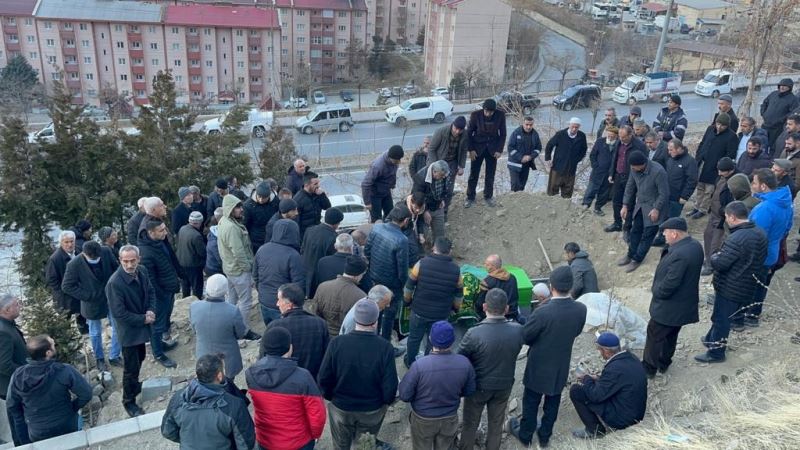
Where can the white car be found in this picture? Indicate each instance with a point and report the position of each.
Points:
(435, 109)
(352, 206)
(319, 98)
(296, 103)
(443, 91)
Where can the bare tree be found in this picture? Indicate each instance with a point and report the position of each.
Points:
(563, 63)
(763, 36)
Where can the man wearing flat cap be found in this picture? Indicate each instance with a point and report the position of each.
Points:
(319, 241)
(566, 149)
(675, 289)
(380, 179)
(450, 144)
(647, 201)
(613, 400)
(550, 333)
(486, 138)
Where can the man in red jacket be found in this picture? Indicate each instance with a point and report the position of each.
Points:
(289, 410)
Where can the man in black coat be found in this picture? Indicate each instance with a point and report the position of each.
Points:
(675, 289)
(163, 268)
(549, 332)
(258, 210)
(132, 303)
(486, 135)
(319, 241)
(13, 353)
(618, 176)
(617, 398)
(311, 200)
(566, 149)
(718, 142)
(190, 249)
(85, 279)
(738, 267)
(54, 275)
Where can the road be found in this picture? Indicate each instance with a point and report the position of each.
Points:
(375, 137)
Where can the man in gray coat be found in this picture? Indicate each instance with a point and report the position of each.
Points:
(218, 325)
(647, 199)
(449, 144)
(584, 278)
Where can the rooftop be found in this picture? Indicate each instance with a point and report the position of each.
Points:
(98, 11)
(17, 7)
(221, 16)
(704, 4)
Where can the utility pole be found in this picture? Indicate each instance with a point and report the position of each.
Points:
(663, 41)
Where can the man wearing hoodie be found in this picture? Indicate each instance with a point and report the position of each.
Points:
(584, 278)
(288, 406)
(40, 400)
(500, 278)
(204, 415)
(236, 252)
(276, 263)
(258, 209)
(774, 216)
(776, 108)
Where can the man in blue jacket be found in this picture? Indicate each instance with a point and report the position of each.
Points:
(381, 178)
(523, 148)
(614, 400)
(774, 216)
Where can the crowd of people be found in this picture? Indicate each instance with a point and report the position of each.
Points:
(330, 299)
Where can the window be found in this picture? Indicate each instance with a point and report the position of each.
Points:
(301, 26)
(209, 79)
(207, 47)
(121, 61)
(87, 59)
(328, 13)
(85, 43)
(120, 44)
(176, 46)
(240, 48)
(33, 55)
(123, 77)
(154, 61)
(209, 63)
(177, 63)
(153, 46)
(50, 42)
(90, 76)
(68, 26)
(175, 30)
(239, 32)
(342, 27)
(117, 27)
(240, 64)
(49, 26)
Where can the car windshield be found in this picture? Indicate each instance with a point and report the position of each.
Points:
(570, 91)
(711, 78)
(405, 105)
(629, 84)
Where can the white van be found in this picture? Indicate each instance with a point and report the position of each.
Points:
(330, 117)
(420, 108)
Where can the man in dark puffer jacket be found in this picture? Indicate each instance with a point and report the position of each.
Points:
(737, 268)
(204, 415)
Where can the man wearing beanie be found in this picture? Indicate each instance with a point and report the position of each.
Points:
(549, 333)
(450, 144)
(380, 179)
(776, 108)
(311, 201)
(616, 398)
(236, 252)
(258, 209)
(486, 136)
(434, 289)
(671, 122)
(276, 263)
(180, 214)
(287, 209)
(335, 297)
(216, 196)
(675, 289)
(714, 232)
(319, 240)
(190, 249)
(523, 149)
(566, 149)
(359, 379)
(718, 142)
(218, 325)
(434, 386)
(647, 201)
(288, 409)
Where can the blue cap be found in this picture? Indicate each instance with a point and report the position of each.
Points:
(608, 339)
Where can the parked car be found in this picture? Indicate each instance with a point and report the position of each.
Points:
(442, 91)
(296, 103)
(257, 123)
(420, 108)
(346, 96)
(319, 98)
(385, 92)
(330, 117)
(352, 206)
(515, 102)
(578, 96)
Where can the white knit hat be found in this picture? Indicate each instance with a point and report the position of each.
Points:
(217, 286)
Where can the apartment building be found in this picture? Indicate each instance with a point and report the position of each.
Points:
(316, 36)
(461, 33)
(216, 53)
(398, 20)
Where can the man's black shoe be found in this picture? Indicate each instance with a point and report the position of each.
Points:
(612, 228)
(165, 361)
(133, 409)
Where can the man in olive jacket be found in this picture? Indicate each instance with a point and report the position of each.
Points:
(676, 286)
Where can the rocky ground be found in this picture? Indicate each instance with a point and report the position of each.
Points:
(513, 231)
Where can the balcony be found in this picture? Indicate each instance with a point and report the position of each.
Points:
(67, 34)
(193, 39)
(136, 53)
(254, 56)
(253, 40)
(137, 69)
(9, 29)
(73, 83)
(195, 70)
(69, 51)
(140, 85)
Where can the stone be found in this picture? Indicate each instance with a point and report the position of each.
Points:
(152, 388)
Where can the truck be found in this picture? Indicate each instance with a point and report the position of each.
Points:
(257, 123)
(720, 81)
(640, 87)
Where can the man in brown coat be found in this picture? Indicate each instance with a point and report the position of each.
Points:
(334, 298)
